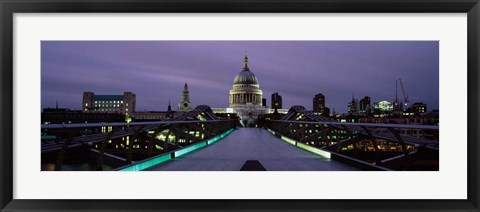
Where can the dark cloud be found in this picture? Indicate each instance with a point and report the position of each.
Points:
(157, 70)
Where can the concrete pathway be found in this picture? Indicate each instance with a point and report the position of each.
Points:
(231, 153)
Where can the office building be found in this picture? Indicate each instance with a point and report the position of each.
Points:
(319, 103)
(123, 104)
(276, 101)
(364, 106)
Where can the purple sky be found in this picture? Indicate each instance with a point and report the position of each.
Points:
(157, 70)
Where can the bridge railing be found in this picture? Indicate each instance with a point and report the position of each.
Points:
(393, 146)
(124, 143)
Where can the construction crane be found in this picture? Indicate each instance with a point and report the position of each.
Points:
(397, 105)
(405, 97)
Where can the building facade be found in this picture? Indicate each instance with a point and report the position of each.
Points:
(319, 103)
(418, 107)
(353, 106)
(382, 108)
(364, 106)
(156, 115)
(123, 104)
(276, 101)
(246, 96)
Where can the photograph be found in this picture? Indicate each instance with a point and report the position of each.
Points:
(249, 106)
(240, 105)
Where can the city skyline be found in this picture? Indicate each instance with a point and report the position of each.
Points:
(156, 71)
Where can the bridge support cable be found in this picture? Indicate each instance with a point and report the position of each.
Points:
(378, 157)
(102, 150)
(130, 143)
(314, 136)
(404, 147)
(152, 139)
(63, 150)
(354, 141)
(339, 142)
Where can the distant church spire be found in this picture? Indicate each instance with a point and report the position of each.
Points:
(185, 104)
(56, 106)
(245, 62)
(169, 114)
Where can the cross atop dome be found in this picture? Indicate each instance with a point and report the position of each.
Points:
(245, 62)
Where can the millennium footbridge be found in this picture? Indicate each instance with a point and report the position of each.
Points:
(200, 141)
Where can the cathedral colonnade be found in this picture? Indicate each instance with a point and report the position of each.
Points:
(243, 98)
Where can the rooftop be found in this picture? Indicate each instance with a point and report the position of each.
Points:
(107, 97)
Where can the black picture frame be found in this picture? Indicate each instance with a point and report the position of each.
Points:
(9, 7)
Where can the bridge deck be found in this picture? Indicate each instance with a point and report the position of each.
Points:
(244, 144)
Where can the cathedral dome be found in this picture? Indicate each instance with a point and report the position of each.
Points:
(245, 77)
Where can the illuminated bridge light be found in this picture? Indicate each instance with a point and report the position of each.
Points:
(288, 140)
(190, 148)
(168, 156)
(314, 150)
(220, 137)
(147, 164)
(303, 146)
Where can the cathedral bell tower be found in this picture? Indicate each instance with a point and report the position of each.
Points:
(185, 104)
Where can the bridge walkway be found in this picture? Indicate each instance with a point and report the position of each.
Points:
(244, 144)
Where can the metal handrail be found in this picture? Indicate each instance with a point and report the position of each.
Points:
(413, 126)
(120, 124)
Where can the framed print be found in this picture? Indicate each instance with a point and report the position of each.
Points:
(254, 106)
